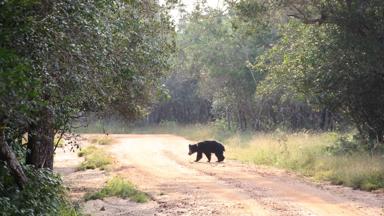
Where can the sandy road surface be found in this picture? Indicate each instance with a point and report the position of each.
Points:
(159, 165)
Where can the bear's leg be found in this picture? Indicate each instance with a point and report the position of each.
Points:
(208, 154)
(199, 156)
(220, 156)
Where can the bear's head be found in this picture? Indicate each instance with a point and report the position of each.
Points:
(192, 149)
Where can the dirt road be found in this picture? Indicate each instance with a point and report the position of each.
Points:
(159, 165)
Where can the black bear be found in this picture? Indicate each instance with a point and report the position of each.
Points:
(207, 147)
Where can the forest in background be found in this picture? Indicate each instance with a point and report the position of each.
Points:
(255, 66)
(290, 65)
(291, 84)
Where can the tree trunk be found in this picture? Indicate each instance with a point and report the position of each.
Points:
(227, 113)
(7, 155)
(41, 142)
(324, 119)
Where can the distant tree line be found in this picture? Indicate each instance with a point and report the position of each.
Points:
(291, 64)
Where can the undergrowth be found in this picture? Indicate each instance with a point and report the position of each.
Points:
(44, 194)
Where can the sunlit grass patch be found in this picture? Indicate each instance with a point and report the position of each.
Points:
(59, 142)
(307, 155)
(87, 150)
(359, 171)
(118, 187)
(101, 140)
(94, 158)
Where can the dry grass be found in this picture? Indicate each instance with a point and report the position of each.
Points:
(304, 153)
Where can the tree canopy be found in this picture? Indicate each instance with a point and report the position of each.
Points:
(60, 60)
(292, 64)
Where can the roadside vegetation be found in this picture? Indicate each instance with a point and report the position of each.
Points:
(30, 200)
(94, 158)
(119, 187)
(59, 61)
(101, 140)
(323, 156)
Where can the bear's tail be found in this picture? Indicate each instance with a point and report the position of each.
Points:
(223, 148)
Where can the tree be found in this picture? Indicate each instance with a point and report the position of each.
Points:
(331, 52)
(61, 59)
(215, 51)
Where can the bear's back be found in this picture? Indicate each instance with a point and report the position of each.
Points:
(210, 145)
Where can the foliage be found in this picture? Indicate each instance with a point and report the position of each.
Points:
(62, 59)
(44, 194)
(334, 63)
(119, 187)
(213, 78)
(15, 74)
(345, 145)
(69, 57)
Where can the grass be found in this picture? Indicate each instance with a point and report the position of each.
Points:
(307, 155)
(304, 153)
(101, 140)
(94, 158)
(61, 142)
(67, 209)
(119, 187)
(87, 151)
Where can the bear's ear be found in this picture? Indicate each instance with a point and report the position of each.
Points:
(190, 145)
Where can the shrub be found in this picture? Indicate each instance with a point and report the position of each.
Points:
(345, 145)
(43, 195)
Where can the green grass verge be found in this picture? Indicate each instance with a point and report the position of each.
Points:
(94, 158)
(118, 187)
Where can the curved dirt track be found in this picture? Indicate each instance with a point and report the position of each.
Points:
(159, 164)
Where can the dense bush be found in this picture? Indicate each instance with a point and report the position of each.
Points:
(43, 195)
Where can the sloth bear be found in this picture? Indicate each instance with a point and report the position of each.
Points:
(207, 147)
